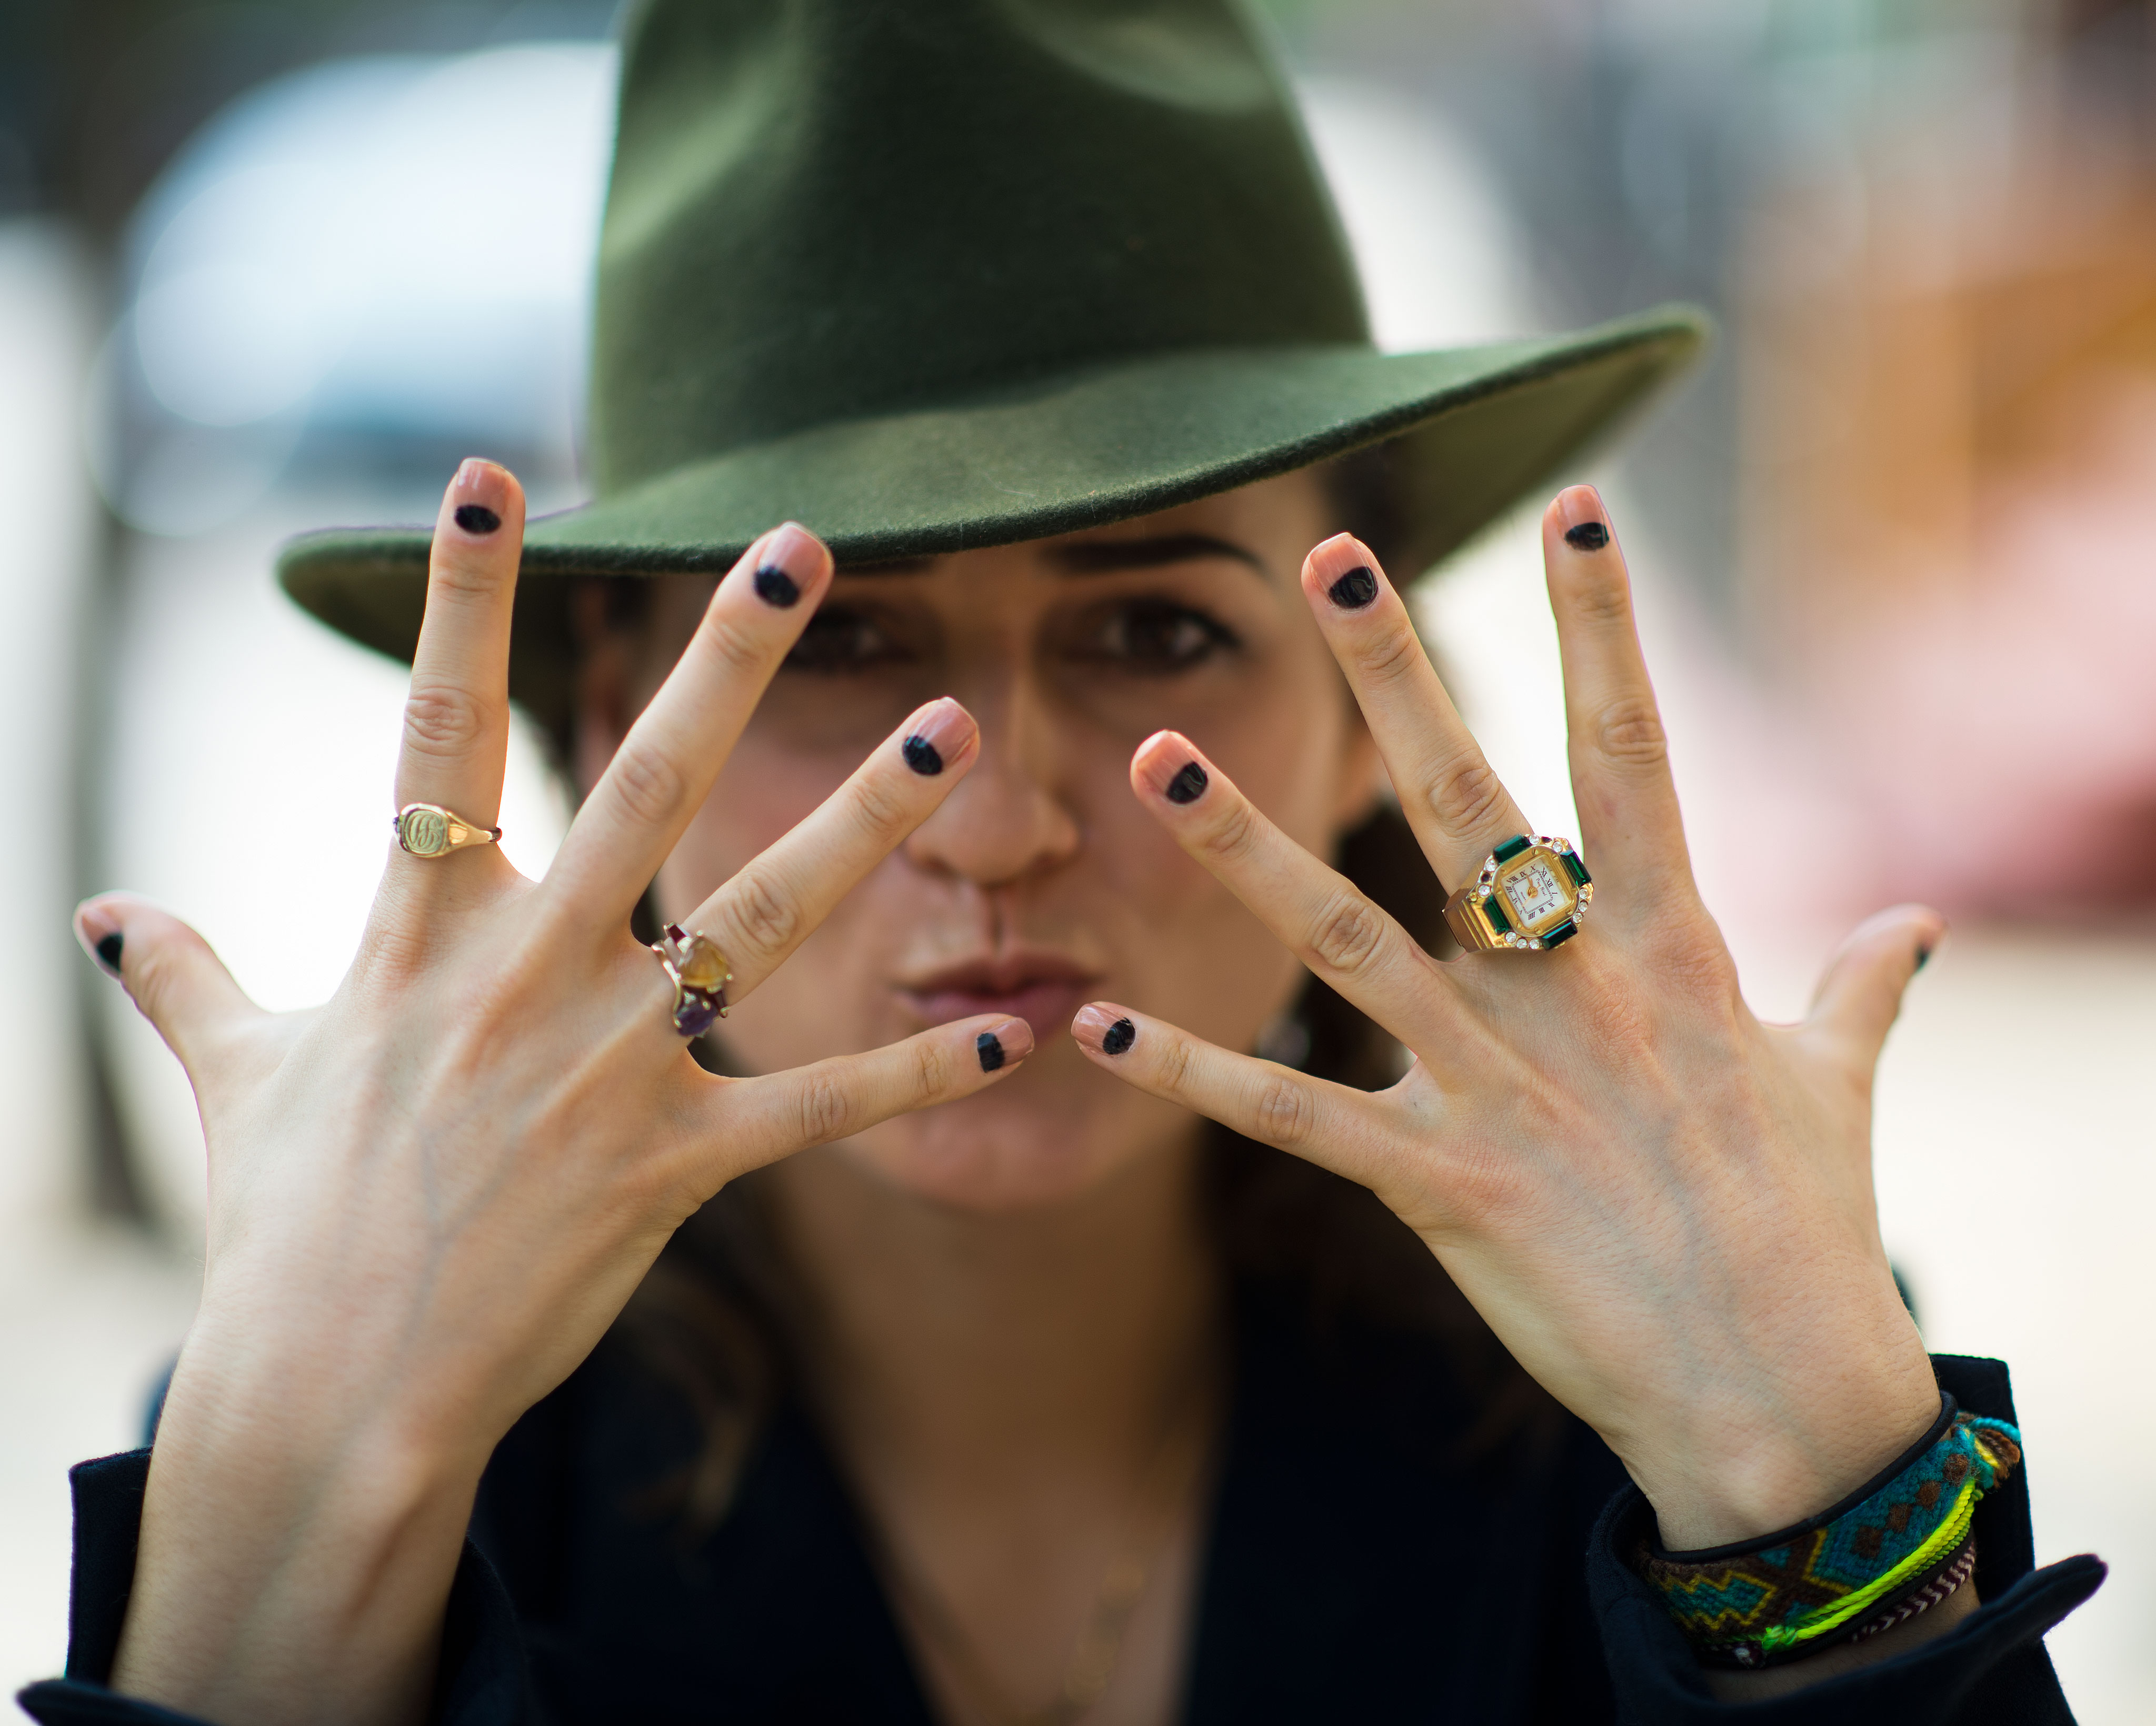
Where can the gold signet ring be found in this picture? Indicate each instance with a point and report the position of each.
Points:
(428, 830)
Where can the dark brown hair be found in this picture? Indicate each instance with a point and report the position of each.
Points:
(713, 1317)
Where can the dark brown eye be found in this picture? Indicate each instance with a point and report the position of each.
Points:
(1154, 635)
(840, 639)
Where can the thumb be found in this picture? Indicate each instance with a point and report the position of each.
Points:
(179, 984)
(1860, 996)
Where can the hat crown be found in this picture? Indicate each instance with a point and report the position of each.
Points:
(823, 210)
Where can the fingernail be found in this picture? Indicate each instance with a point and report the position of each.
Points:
(1587, 527)
(939, 730)
(778, 560)
(1189, 786)
(100, 938)
(1354, 590)
(480, 486)
(1011, 1041)
(1106, 1028)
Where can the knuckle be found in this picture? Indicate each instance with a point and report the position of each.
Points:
(934, 1070)
(736, 649)
(464, 576)
(823, 1108)
(880, 805)
(1285, 1114)
(444, 722)
(1483, 1183)
(647, 785)
(1601, 595)
(1629, 733)
(1348, 934)
(763, 921)
(1173, 1073)
(1234, 836)
(1466, 795)
(1390, 655)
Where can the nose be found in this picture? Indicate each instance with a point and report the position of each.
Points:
(1010, 820)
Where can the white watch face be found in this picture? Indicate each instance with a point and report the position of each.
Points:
(1533, 894)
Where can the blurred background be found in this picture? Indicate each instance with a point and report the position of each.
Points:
(272, 266)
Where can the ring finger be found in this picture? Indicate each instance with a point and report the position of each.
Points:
(1452, 798)
(456, 718)
(1315, 912)
(769, 909)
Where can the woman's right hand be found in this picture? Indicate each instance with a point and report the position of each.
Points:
(429, 1198)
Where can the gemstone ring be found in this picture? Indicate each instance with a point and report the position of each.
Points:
(700, 974)
(1528, 896)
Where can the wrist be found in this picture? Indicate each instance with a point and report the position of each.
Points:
(295, 1555)
(1738, 1469)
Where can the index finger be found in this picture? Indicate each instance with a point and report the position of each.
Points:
(663, 771)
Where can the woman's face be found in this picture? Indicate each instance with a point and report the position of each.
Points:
(1040, 883)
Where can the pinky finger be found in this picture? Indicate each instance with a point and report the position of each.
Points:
(1314, 1119)
(174, 979)
(760, 1120)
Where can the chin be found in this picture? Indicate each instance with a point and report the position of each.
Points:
(1041, 1138)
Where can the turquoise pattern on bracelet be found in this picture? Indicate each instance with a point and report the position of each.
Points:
(1795, 1589)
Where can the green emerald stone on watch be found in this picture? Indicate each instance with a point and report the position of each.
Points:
(1512, 847)
(1493, 908)
(1579, 869)
(1563, 932)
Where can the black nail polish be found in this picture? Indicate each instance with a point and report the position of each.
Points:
(774, 586)
(989, 1050)
(1588, 537)
(477, 519)
(1354, 590)
(1189, 786)
(108, 952)
(920, 756)
(1923, 957)
(1119, 1036)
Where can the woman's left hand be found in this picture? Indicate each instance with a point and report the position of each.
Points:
(1661, 1205)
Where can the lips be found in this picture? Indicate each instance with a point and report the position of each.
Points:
(1041, 989)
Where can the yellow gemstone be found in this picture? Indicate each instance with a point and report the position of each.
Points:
(702, 965)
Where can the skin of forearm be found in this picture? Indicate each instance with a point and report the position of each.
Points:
(290, 1577)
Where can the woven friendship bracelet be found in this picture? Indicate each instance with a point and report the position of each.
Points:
(1850, 1572)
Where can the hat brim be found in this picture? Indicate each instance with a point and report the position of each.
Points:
(1473, 429)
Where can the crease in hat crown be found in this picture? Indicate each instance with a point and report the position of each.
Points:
(925, 275)
(825, 210)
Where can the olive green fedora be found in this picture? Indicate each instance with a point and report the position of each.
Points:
(932, 274)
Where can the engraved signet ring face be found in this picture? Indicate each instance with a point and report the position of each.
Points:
(429, 830)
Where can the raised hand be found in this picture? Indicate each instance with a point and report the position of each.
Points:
(1663, 1206)
(428, 1198)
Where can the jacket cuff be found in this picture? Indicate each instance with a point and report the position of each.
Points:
(481, 1675)
(1992, 1666)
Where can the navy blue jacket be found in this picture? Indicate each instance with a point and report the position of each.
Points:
(1355, 1570)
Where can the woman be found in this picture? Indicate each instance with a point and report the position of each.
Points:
(931, 1357)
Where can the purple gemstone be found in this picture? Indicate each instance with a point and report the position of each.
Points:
(696, 1012)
